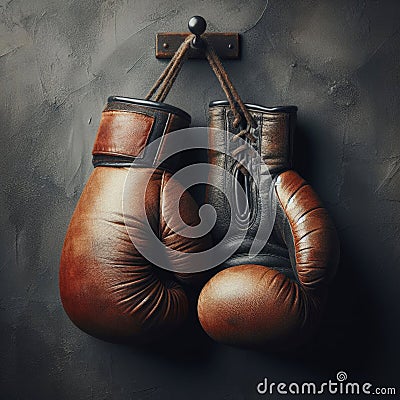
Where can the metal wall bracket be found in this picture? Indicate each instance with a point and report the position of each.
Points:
(226, 45)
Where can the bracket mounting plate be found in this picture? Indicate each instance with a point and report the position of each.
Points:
(226, 45)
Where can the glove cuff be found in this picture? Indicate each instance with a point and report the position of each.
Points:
(274, 132)
(128, 125)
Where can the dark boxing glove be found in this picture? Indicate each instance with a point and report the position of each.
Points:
(275, 297)
(108, 287)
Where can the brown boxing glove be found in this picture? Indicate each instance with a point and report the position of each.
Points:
(108, 286)
(275, 297)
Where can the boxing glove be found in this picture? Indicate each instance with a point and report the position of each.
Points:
(273, 297)
(108, 286)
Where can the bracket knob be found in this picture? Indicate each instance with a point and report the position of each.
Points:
(197, 25)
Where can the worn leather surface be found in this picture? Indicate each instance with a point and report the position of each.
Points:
(274, 144)
(108, 288)
(122, 133)
(126, 129)
(277, 297)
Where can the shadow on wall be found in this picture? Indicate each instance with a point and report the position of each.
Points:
(352, 325)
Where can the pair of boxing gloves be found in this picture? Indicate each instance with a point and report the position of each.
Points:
(110, 284)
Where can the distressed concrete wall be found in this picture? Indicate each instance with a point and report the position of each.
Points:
(59, 60)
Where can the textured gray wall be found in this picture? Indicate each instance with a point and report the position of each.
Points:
(337, 60)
